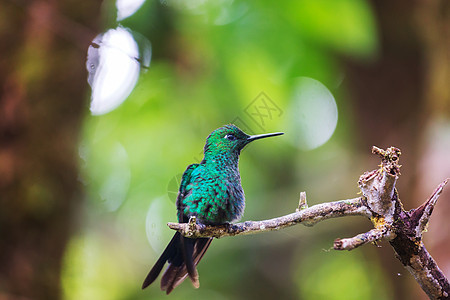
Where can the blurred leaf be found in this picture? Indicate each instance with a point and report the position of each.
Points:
(339, 275)
(346, 26)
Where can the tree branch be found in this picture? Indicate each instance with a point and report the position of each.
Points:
(379, 202)
(306, 216)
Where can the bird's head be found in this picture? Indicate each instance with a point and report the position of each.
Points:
(230, 139)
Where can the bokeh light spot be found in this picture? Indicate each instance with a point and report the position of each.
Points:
(115, 186)
(156, 223)
(114, 63)
(126, 8)
(312, 114)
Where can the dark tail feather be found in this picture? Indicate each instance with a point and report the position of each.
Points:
(183, 264)
(183, 255)
(169, 252)
(188, 252)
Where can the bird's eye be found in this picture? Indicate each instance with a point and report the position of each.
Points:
(230, 137)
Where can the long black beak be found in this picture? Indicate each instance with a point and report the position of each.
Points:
(262, 136)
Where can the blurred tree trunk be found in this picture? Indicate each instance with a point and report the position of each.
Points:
(397, 98)
(42, 98)
(433, 25)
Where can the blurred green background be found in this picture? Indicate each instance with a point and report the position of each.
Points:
(336, 76)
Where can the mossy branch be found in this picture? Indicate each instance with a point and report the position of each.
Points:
(380, 203)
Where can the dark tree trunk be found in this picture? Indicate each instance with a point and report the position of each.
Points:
(42, 99)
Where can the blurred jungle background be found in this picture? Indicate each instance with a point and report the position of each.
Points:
(88, 177)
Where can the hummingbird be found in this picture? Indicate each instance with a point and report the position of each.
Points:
(212, 192)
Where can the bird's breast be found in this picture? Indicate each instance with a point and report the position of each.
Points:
(216, 198)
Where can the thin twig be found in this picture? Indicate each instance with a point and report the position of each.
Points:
(363, 238)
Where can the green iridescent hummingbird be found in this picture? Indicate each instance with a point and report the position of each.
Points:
(212, 192)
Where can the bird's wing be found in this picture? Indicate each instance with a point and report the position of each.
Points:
(183, 191)
(188, 252)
